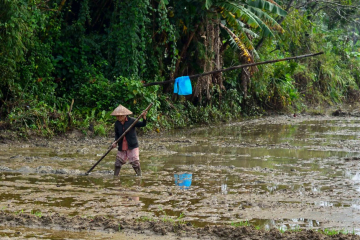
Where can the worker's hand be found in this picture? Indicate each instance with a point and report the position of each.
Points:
(113, 145)
(144, 114)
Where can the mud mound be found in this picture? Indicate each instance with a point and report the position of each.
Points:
(228, 232)
(157, 227)
(340, 113)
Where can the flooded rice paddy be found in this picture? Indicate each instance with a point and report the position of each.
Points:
(282, 172)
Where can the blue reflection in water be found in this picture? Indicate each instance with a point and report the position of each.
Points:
(183, 180)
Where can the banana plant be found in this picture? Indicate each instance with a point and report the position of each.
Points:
(247, 19)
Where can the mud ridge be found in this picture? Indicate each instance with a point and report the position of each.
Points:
(99, 223)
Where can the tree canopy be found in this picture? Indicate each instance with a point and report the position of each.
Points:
(101, 52)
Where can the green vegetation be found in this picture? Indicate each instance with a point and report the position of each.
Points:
(332, 232)
(328, 232)
(240, 224)
(33, 212)
(36, 213)
(145, 219)
(175, 221)
(99, 53)
(89, 217)
(19, 212)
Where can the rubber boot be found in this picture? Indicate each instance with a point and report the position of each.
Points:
(117, 171)
(138, 171)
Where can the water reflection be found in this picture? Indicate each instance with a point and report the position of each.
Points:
(183, 180)
(297, 223)
(355, 177)
(355, 204)
(315, 189)
(224, 188)
(272, 188)
(324, 203)
(285, 224)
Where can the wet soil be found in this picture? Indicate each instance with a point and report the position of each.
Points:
(274, 173)
(148, 229)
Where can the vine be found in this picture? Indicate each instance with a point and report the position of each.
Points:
(128, 37)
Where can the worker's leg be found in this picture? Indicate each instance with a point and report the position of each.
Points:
(121, 159)
(133, 156)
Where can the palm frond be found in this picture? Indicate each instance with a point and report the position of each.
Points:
(240, 12)
(266, 18)
(248, 15)
(241, 46)
(275, 3)
(238, 29)
(264, 27)
(267, 5)
(208, 3)
(256, 55)
(246, 30)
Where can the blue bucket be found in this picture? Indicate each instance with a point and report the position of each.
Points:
(183, 86)
(183, 180)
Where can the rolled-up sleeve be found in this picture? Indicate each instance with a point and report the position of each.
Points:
(141, 124)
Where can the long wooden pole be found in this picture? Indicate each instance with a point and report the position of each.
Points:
(237, 67)
(126, 131)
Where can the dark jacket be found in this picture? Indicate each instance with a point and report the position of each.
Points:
(131, 135)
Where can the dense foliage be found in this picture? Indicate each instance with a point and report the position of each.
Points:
(99, 53)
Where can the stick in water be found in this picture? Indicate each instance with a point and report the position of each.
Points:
(110, 148)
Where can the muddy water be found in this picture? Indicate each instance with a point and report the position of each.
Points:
(281, 172)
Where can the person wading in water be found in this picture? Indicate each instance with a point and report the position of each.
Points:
(128, 146)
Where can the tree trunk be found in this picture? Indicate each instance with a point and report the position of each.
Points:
(212, 61)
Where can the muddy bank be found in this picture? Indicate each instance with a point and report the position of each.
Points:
(173, 230)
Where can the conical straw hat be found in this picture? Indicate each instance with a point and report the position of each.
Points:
(121, 110)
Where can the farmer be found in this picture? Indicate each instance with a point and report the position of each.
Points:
(128, 146)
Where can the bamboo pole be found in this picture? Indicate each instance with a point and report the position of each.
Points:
(126, 131)
(237, 67)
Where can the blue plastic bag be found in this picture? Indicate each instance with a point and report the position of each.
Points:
(183, 86)
(183, 180)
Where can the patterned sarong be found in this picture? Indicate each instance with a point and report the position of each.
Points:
(128, 155)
